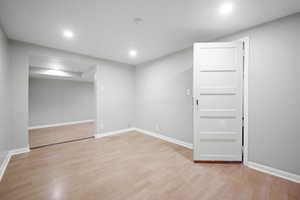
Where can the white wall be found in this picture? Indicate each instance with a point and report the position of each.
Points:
(5, 98)
(120, 114)
(273, 94)
(54, 101)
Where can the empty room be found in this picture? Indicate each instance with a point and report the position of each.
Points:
(149, 100)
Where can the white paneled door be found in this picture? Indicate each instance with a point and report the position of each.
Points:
(218, 96)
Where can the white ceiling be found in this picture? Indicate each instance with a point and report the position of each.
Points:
(106, 29)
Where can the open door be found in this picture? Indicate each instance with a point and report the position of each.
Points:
(218, 98)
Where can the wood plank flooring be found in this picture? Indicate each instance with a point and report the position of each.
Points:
(53, 135)
(133, 166)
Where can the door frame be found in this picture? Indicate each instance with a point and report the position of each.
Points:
(246, 41)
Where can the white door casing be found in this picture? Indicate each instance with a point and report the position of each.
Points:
(218, 97)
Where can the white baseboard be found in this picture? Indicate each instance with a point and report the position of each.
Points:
(101, 135)
(168, 139)
(60, 124)
(274, 172)
(19, 151)
(8, 156)
(4, 164)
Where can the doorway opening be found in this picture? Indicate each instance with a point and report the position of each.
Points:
(61, 101)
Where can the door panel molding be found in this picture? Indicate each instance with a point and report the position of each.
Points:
(217, 91)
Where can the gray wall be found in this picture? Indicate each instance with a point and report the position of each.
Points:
(161, 96)
(19, 55)
(274, 101)
(118, 97)
(116, 87)
(57, 101)
(5, 98)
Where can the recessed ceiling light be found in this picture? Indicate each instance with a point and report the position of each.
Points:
(68, 34)
(226, 8)
(133, 53)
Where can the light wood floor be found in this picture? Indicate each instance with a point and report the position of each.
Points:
(53, 135)
(133, 167)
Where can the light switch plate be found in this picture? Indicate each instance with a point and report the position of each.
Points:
(188, 92)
